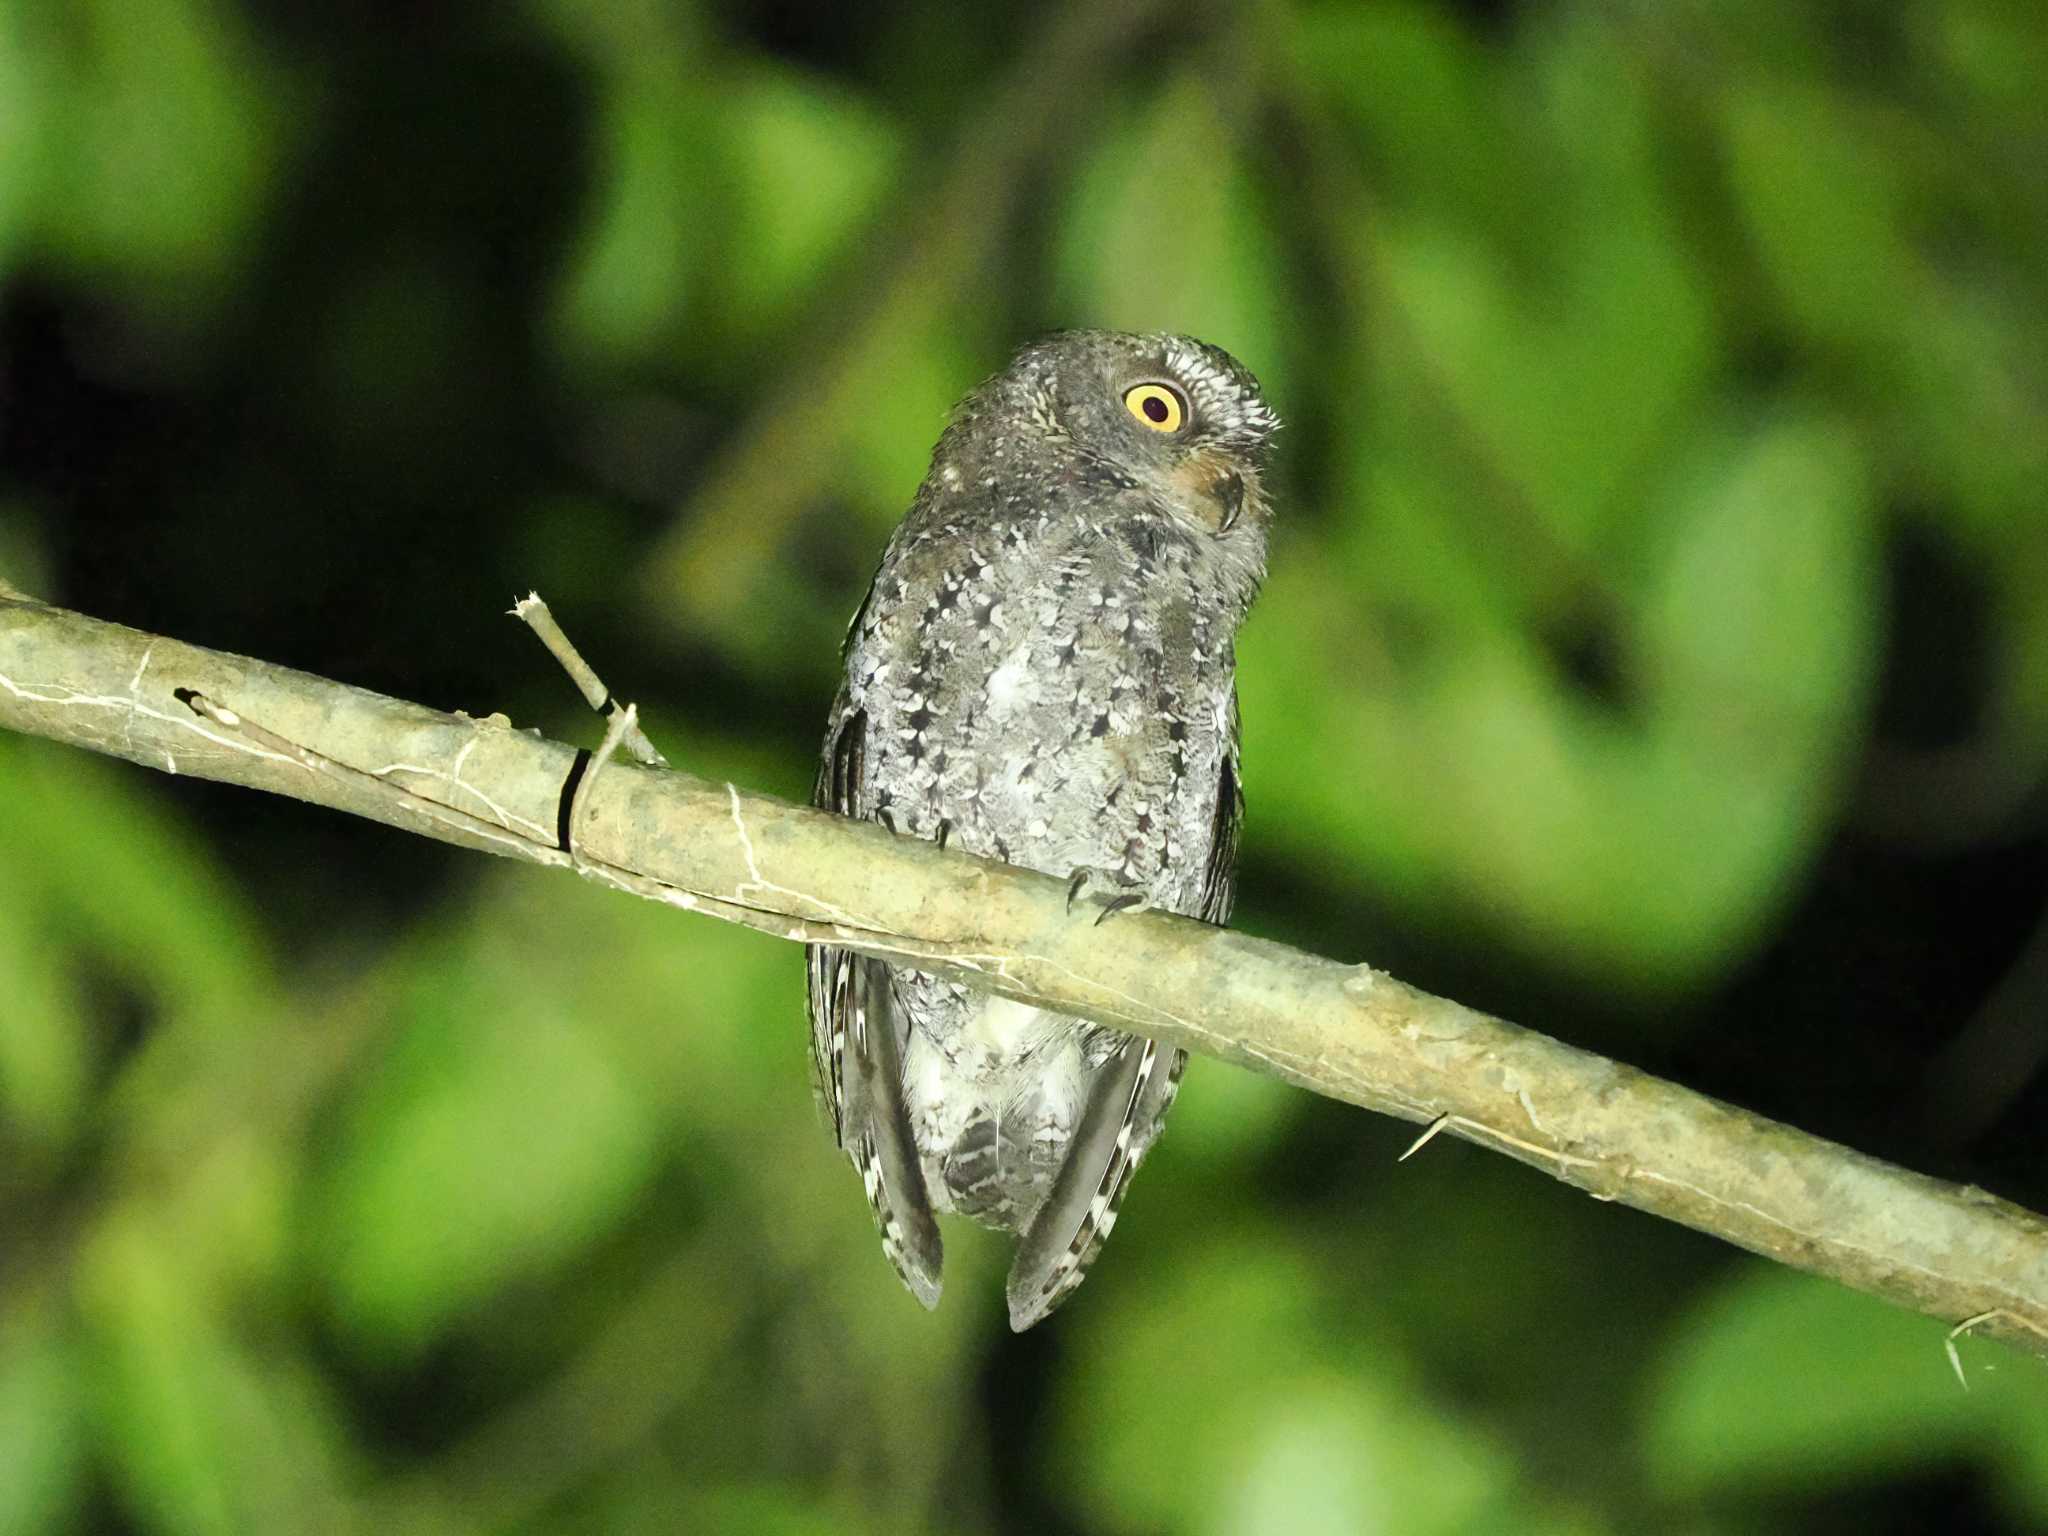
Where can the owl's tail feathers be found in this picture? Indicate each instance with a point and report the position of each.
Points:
(875, 1130)
(1131, 1093)
(910, 1238)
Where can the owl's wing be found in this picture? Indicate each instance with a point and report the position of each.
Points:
(857, 1046)
(1219, 873)
(1126, 1104)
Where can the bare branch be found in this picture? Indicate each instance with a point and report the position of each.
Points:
(1348, 1031)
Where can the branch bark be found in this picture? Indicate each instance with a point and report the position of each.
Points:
(1347, 1031)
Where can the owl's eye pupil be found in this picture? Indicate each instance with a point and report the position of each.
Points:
(1155, 407)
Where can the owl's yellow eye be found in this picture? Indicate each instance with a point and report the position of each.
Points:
(1157, 406)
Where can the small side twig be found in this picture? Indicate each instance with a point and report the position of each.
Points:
(1970, 1325)
(533, 612)
(1425, 1138)
(621, 725)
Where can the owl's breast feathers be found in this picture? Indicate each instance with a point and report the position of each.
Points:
(1052, 680)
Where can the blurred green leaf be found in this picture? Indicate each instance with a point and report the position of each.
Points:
(112, 902)
(1998, 51)
(1563, 392)
(42, 1423)
(171, 129)
(1422, 94)
(1782, 1378)
(1863, 214)
(496, 1140)
(728, 195)
(1321, 1463)
(1761, 642)
(1967, 410)
(202, 1434)
(641, 253)
(1283, 1414)
(163, 1377)
(1226, 1114)
(120, 877)
(1249, 1305)
(46, 1054)
(25, 105)
(889, 441)
(641, 248)
(810, 165)
(1653, 845)
(1165, 230)
(770, 1511)
(1821, 195)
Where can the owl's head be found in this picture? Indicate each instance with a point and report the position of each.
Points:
(1165, 410)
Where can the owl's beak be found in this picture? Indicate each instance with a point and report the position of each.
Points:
(1229, 494)
(1214, 491)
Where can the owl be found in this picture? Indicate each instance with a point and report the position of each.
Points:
(1043, 672)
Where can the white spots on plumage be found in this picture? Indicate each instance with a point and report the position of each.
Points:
(1042, 413)
(867, 1160)
(1007, 684)
(871, 1175)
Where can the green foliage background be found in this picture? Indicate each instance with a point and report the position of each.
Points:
(1656, 652)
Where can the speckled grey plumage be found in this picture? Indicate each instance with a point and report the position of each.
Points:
(1044, 670)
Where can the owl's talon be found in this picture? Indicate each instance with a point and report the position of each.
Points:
(887, 821)
(945, 831)
(1117, 893)
(1130, 900)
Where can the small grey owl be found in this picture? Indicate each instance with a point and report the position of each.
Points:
(1043, 673)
